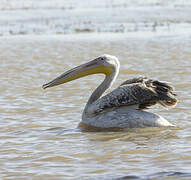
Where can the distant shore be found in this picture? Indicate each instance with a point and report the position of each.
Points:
(63, 17)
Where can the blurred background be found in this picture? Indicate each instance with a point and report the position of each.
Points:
(64, 17)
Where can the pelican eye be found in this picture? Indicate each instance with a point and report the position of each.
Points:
(102, 58)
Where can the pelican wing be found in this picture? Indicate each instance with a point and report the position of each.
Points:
(138, 92)
(134, 80)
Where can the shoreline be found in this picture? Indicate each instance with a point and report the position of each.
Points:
(96, 19)
(105, 36)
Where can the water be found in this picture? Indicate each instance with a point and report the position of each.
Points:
(29, 145)
(74, 16)
(38, 135)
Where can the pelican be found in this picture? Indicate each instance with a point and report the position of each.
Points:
(124, 106)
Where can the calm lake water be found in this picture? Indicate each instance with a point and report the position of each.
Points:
(38, 132)
(39, 40)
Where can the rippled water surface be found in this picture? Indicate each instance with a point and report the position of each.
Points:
(38, 132)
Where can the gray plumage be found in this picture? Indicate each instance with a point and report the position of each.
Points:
(140, 93)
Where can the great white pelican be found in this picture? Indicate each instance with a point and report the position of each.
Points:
(124, 106)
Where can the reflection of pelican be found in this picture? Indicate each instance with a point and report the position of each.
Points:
(122, 108)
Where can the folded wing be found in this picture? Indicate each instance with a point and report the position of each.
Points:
(141, 93)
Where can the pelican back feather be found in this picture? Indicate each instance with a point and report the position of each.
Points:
(139, 93)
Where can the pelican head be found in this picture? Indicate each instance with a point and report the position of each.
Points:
(105, 64)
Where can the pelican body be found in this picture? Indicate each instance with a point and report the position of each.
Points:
(124, 106)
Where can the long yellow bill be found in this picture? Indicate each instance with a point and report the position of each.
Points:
(93, 67)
